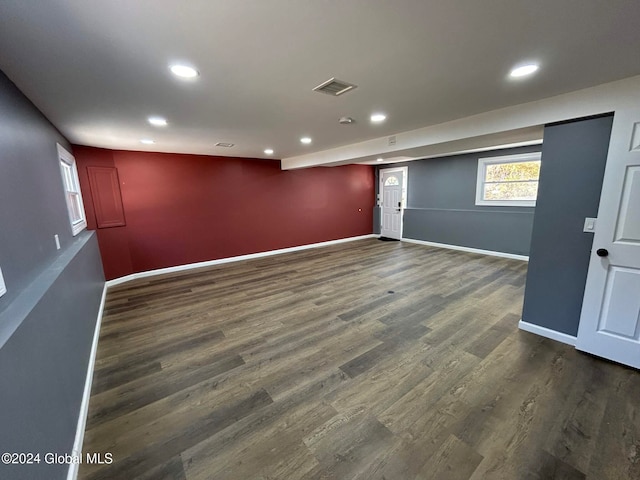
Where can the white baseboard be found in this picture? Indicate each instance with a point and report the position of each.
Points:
(512, 256)
(209, 263)
(548, 333)
(84, 406)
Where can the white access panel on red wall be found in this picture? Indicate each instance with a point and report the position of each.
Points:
(3, 287)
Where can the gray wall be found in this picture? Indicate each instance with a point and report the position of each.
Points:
(573, 160)
(33, 204)
(441, 206)
(48, 315)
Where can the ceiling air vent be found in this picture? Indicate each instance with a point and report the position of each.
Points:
(334, 87)
(224, 144)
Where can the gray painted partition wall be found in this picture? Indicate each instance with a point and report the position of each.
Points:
(48, 316)
(441, 206)
(32, 203)
(43, 365)
(573, 161)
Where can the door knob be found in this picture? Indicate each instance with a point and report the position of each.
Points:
(602, 252)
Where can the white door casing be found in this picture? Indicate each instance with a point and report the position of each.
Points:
(393, 189)
(610, 317)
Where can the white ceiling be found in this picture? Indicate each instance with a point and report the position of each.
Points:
(98, 68)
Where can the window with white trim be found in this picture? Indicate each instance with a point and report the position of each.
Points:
(71, 185)
(510, 180)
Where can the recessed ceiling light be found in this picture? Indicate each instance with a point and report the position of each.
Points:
(380, 160)
(147, 141)
(268, 151)
(524, 70)
(378, 117)
(157, 121)
(183, 71)
(305, 140)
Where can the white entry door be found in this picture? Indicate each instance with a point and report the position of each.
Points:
(392, 188)
(610, 318)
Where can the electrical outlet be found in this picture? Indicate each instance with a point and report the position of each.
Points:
(3, 287)
(392, 140)
(57, 239)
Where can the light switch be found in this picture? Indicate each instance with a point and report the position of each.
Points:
(589, 225)
(3, 287)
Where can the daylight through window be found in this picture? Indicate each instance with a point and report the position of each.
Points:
(391, 181)
(509, 180)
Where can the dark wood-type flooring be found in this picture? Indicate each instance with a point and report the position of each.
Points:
(366, 360)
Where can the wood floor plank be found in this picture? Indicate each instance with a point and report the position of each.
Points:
(248, 428)
(148, 457)
(371, 390)
(392, 340)
(454, 460)
(574, 439)
(366, 360)
(272, 447)
(485, 343)
(347, 444)
(520, 442)
(135, 395)
(171, 470)
(616, 452)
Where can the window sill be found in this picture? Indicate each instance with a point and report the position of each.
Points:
(78, 227)
(506, 203)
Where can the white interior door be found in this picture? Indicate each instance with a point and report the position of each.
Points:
(392, 188)
(610, 318)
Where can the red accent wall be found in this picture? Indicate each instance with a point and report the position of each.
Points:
(182, 209)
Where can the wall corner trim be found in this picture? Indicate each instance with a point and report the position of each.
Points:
(491, 253)
(239, 258)
(84, 406)
(547, 332)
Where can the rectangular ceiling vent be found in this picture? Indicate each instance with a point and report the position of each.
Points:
(334, 87)
(224, 144)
